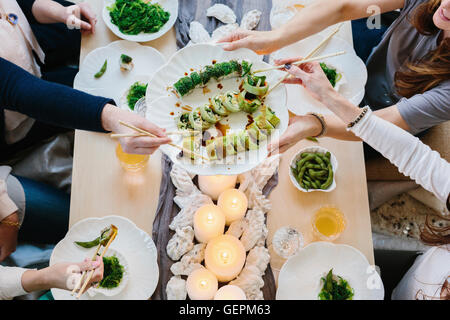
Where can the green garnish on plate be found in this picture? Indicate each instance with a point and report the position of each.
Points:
(112, 274)
(335, 288)
(137, 91)
(102, 70)
(133, 17)
(331, 73)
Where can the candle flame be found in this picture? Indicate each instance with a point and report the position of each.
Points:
(224, 256)
(203, 283)
(209, 218)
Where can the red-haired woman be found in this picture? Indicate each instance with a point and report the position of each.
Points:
(409, 71)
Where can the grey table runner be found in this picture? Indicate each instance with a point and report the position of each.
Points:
(161, 234)
(190, 10)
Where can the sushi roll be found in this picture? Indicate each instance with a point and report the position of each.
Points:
(246, 67)
(256, 85)
(228, 145)
(239, 141)
(196, 79)
(230, 101)
(126, 63)
(255, 132)
(246, 104)
(183, 122)
(196, 120)
(192, 144)
(208, 115)
(217, 106)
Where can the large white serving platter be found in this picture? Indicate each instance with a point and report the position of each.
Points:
(134, 244)
(352, 67)
(168, 5)
(115, 82)
(164, 107)
(300, 276)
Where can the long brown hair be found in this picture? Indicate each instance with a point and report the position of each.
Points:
(416, 77)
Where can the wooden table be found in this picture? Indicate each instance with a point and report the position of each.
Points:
(100, 186)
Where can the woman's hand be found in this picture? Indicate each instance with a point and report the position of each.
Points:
(81, 16)
(311, 76)
(8, 236)
(62, 275)
(111, 116)
(262, 42)
(300, 127)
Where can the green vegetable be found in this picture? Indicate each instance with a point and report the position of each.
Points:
(335, 289)
(137, 91)
(104, 237)
(314, 171)
(125, 59)
(89, 244)
(331, 74)
(102, 70)
(135, 16)
(256, 85)
(112, 274)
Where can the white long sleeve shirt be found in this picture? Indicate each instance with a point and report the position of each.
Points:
(11, 282)
(412, 157)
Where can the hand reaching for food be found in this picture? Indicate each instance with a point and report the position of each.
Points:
(262, 42)
(111, 116)
(310, 75)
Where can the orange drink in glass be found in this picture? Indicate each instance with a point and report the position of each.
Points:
(328, 223)
(131, 162)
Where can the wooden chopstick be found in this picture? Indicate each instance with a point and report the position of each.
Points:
(91, 273)
(171, 144)
(84, 272)
(313, 52)
(130, 135)
(303, 61)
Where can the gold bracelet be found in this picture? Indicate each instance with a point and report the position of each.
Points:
(11, 224)
(323, 123)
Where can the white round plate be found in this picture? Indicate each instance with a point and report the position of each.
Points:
(164, 107)
(334, 165)
(135, 245)
(115, 82)
(300, 276)
(351, 66)
(170, 6)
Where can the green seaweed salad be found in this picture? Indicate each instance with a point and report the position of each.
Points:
(331, 73)
(137, 91)
(112, 274)
(135, 16)
(335, 288)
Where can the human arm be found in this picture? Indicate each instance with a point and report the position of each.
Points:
(412, 157)
(49, 11)
(66, 107)
(18, 281)
(313, 18)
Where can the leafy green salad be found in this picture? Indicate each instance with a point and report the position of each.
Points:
(335, 288)
(112, 274)
(133, 17)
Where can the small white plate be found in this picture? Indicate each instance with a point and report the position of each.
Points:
(300, 276)
(115, 82)
(134, 244)
(313, 149)
(163, 106)
(170, 6)
(353, 69)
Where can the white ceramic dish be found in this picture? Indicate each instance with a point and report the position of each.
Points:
(349, 64)
(135, 245)
(170, 6)
(164, 107)
(115, 82)
(334, 164)
(123, 283)
(300, 276)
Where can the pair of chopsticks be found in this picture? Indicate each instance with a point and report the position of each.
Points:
(309, 56)
(91, 273)
(146, 133)
(138, 134)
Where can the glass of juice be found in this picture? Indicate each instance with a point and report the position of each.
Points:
(131, 162)
(328, 223)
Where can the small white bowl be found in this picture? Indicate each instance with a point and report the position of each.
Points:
(123, 283)
(313, 149)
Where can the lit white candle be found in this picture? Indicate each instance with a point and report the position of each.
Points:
(225, 257)
(209, 222)
(201, 285)
(230, 292)
(213, 186)
(233, 203)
